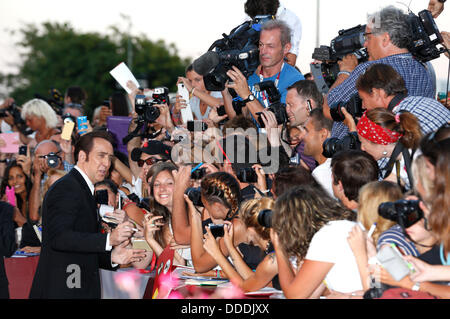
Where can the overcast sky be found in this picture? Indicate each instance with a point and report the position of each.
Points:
(192, 25)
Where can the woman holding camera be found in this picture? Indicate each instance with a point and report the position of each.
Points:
(256, 215)
(317, 238)
(221, 197)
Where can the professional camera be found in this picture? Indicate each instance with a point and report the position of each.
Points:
(247, 175)
(353, 106)
(265, 218)
(425, 38)
(405, 212)
(333, 145)
(276, 107)
(348, 41)
(195, 195)
(239, 49)
(15, 113)
(146, 109)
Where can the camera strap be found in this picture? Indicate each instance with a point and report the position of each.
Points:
(396, 101)
(277, 80)
(400, 149)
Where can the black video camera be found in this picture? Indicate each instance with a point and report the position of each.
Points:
(353, 106)
(265, 218)
(405, 212)
(333, 145)
(276, 107)
(195, 195)
(240, 49)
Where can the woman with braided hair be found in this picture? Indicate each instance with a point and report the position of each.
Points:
(221, 197)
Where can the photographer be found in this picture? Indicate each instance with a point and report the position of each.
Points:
(387, 37)
(382, 87)
(274, 44)
(318, 129)
(276, 9)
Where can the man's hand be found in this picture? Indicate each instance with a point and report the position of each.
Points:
(435, 7)
(124, 256)
(239, 83)
(348, 63)
(121, 233)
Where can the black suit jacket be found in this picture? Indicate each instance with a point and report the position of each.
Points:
(7, 244)
(73, 249)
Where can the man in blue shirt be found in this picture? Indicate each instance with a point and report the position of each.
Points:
(387, 37)
(274, 44)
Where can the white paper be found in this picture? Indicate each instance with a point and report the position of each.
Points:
(122, 75)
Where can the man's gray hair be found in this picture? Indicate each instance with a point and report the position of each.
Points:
(393, 21)
(285, 30)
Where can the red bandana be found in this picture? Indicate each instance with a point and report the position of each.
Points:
(376, 133)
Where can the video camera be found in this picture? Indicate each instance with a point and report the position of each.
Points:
(333, 145)
(239, 49)
(405, 212)
(425, 38)
(276, 107)
(147, 111)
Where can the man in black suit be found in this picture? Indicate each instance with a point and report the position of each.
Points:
(73, 249)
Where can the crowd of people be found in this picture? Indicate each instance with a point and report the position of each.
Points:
(298, 214)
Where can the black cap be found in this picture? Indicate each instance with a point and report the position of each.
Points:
(152, 148)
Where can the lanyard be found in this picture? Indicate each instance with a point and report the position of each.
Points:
(261, 77)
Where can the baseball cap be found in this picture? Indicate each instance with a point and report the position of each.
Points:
(152, 148)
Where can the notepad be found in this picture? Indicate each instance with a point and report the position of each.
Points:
(122, 75)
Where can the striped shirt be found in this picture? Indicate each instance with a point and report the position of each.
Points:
(417, 80)
(395, 235)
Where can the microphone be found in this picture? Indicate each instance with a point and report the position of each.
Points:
(206, 63)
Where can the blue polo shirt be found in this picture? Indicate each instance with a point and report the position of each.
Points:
(289, 75)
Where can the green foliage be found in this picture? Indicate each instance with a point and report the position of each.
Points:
(57, 56)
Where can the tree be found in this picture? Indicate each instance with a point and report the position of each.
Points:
(57, 56)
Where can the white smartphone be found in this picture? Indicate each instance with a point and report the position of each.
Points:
(186, 113)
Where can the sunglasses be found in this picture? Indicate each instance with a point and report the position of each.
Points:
(149, 161)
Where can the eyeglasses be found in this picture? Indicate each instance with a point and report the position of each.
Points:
(149, 161)
(366, 35)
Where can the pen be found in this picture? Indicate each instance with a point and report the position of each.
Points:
(372, 229)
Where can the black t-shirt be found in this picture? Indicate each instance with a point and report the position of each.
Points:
(433, 257)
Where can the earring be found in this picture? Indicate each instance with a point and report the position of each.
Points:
(385, 153)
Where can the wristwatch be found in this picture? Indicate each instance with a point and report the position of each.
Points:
(250, 98)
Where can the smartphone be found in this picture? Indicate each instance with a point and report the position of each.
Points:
(217, 230)
(186, 113)
(82, 125)
(11, 195)
(67, 130)
(196, 126)
(391, 260)
(141, 244)
(23, 150)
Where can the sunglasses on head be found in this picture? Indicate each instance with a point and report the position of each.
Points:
(149, 161)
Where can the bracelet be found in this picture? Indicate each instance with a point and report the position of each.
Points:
(344, 72)
(416, 286)
(266, 191)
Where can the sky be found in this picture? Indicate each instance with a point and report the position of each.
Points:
(193, 25)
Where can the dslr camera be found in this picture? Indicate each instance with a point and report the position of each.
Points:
(195, 195)
(247, 175)
(353, 106)
(276, 107)
(334, 145)
(52, 160)
(405, 212)
(239, 49)
(146, 109)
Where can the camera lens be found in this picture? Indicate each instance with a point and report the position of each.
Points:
(151, 114)
(265, 218)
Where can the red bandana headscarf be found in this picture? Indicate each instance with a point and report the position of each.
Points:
(376, 133)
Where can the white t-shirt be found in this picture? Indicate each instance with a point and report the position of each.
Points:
(322, 174)
(330, 245)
